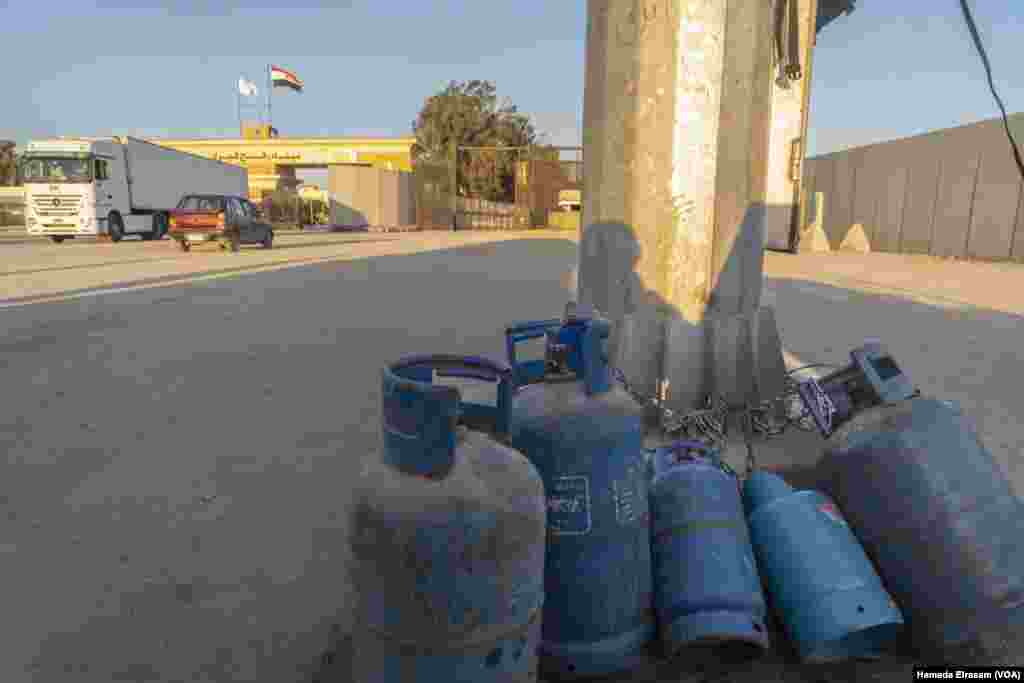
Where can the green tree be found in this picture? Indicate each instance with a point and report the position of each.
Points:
(8, 164)
(470, 114)
(282, 206)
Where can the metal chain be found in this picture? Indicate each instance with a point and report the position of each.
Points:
(825, 406)
(710, 423)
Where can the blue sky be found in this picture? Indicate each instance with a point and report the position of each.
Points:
(890, 69)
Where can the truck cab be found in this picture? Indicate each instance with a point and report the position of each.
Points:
(72, 186)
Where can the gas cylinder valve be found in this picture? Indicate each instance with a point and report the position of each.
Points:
(871, 379)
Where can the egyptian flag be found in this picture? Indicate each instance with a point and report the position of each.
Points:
(279, 76)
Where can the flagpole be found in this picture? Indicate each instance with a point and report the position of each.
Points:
(238, 106)
(270, 88)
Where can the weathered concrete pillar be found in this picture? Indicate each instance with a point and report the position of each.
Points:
(677, 111)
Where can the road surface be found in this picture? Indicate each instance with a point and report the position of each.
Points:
(182, 430)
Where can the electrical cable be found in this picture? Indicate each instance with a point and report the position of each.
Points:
(812, 365)
(787, 42)
(991, 84)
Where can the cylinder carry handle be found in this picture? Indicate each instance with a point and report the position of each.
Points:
(528, 371)
(582, 339)
(420, 417)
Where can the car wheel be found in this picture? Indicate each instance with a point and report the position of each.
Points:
(56, 239)
(268, 240)
(115, 227)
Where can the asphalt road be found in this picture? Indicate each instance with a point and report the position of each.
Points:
(179, 456)
(182, 430)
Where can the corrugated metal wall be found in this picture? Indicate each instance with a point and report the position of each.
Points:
(952, 193)
(362, 196)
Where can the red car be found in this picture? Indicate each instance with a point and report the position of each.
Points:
(227, 220)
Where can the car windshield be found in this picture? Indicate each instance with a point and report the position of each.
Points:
(192, 203)
(56, 170)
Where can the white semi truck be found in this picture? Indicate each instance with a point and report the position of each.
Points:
(116, 186)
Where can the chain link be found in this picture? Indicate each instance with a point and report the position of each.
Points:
(710, 423)
(826, 408)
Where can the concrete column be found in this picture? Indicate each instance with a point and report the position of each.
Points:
(677, 111)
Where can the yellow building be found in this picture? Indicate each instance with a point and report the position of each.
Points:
(272, 161)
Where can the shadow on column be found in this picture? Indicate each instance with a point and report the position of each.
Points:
(609, 280)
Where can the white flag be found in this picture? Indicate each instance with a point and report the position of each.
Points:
(247, 88)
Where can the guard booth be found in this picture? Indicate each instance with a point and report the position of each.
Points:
(570, 208)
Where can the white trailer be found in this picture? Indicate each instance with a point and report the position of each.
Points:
(80, 187)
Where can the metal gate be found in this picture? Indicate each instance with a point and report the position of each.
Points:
(434, 197)
(499, 188)
(488, 184)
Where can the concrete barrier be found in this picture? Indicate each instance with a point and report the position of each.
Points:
(953, 193)
(856, 240)
(813, 237)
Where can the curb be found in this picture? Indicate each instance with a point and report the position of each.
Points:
(375, 228)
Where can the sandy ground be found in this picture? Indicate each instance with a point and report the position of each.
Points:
(955, 328)
(182, 430)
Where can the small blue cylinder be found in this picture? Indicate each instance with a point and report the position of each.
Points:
(706, 585)
(820, 581)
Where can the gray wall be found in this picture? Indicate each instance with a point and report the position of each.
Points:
(362, 196)
(952, 193)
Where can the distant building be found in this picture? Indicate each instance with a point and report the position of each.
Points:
(273, 160)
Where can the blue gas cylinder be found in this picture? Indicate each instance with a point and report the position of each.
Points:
(936, 514)
(821, 583)
(706, 586)
(448, 536)
(584, 436)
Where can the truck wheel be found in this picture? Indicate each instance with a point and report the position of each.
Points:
(56, 239)
(115, 227)
(268, 240)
